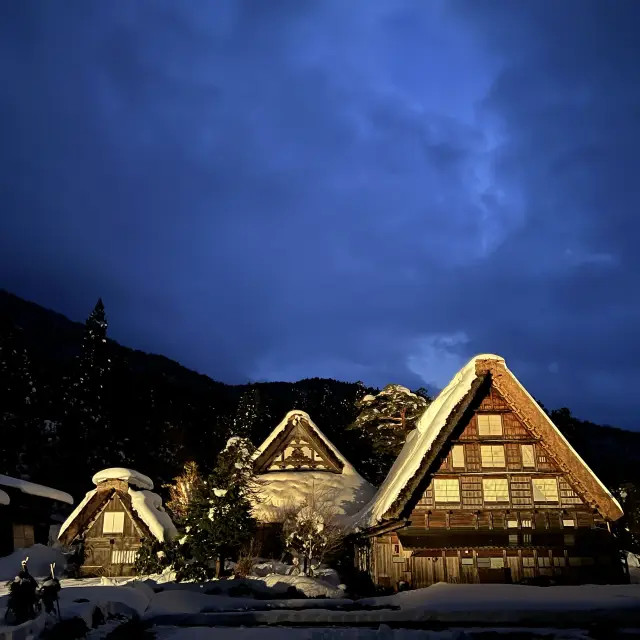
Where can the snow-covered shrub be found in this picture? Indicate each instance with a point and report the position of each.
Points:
(312, 531)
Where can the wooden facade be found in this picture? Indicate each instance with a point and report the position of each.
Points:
(502, 500)
(108, 532)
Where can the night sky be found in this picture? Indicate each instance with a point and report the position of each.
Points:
(365, 190)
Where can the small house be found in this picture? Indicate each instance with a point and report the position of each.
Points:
(297, 463)
(113, 520)
(27, 511)
(487, 489)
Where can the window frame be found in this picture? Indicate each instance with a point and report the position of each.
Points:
(491, 430)
(504, 483)
(460, 449)
(436, 483)
(528, 447)
(114, 517)
(493, 465)
(537, 489)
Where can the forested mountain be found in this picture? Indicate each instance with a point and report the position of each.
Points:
(72, 402)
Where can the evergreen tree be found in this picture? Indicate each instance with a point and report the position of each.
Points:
(384, 421)
(18, 405)
(218, 521)
(247, 414)
(86, 421)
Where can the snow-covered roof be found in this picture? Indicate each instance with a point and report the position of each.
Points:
(149, 508)
(4, 497)
(130, 476)
(34, 489)
(348, 491)
(304, 416)
(421, 439)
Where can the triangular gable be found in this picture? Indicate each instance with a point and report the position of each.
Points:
(88, 511)
(298, 444)
(406, 479)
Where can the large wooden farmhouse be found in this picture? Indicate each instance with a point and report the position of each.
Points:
(297, 463)
(111, 522)
(27, 511)
(486, 489)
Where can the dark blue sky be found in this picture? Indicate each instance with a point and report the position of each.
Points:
(372, 189)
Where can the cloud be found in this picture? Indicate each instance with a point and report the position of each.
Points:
(370, 190)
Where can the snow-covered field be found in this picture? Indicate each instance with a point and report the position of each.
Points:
(261, 605)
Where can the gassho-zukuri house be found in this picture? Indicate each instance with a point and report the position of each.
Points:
(487, 489)
(113, 520)
(298, 463)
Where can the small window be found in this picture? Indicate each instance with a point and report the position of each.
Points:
(528, 458)
(492, 455)
(512, 524)
(559, 561)
(568, 522)
(484, 563)
(513, 538)
(113, 522)
(495, 489)
(489, 424)
(123, 556)
(526, 538)
(525, 523)
(457, 456)
(446, 490)
(467, 561)
(497, 563)
(544, 561)
(528, 562)
(396, 549)
(545, 489)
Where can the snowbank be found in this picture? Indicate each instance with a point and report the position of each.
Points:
(35, 489)
(130, 476)
(149, 507)
(4, 498)
(40, 557)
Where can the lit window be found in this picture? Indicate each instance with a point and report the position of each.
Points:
(512, 524)
(544, 561)
(497, 563)
(525, 523)
(526, 538)
(446, 490)
(113, 522)
(495, 489)
(528, 458)
(568, 522)
(492, 455)
(484, 563)
(467, 561)
(123, 556)
(457, 456)
(489, 424)
(545, 490)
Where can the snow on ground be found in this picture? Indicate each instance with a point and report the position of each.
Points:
(40, 557)
(382, 633)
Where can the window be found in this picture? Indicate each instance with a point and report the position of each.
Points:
(495, 489)
(446, 490)
(113, 522)
(123, 556)
(513, 538)
(545, 490)
(527, 562)
(558, 562)
(512, 524)
(497, 563)
(467, 561)
(489, 424)
(492, 455)
(544, 561)
(528, 457)
(568, 522)
(484, 563)
(526, 538)
(396, 549)
(525, 523)
(457, 455)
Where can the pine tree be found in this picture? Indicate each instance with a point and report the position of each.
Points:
(18, 405)
(86, 421)
(218, 521)
(247, 414)
(384, 421)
